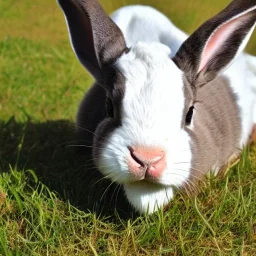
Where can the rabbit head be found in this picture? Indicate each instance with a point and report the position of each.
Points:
(168, 120)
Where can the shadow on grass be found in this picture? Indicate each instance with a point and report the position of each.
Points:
(46, 148)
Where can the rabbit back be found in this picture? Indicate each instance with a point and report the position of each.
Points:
(146, 24)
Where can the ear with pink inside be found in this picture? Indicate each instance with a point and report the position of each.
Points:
(215, 45)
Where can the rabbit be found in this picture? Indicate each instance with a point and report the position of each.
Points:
(166, 108)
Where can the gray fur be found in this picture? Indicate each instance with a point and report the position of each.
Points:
(217, 126)
(216, 130)
(91, 112)
(97, 42)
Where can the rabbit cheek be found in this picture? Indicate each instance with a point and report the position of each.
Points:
(109, 151)
(102, 133)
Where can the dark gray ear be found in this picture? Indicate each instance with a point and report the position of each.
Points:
(95, 38)
(214, 45)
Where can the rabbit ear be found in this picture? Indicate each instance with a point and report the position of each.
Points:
(214, 45)
(95, 38)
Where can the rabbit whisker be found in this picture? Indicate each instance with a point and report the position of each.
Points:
(113, 182)
(100, 180)
(191, 168)
(84, 129)
(196, 177)
(116, 188)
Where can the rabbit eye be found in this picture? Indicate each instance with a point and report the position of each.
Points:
(189, 115)
(109, 107)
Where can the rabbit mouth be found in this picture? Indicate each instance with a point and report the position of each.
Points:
(147, 180)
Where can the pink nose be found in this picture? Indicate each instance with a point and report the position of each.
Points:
(146, 162)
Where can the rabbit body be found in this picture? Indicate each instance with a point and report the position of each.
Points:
(166, 107)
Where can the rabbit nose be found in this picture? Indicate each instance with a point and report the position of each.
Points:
(146, 162)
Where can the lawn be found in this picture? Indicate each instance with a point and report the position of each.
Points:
(52, 200)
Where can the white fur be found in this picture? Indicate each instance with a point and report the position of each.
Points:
(144, 23)
(251, 66)
(148, 197)
(151, 75)
(152, 111)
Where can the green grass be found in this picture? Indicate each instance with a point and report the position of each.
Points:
(46, 188)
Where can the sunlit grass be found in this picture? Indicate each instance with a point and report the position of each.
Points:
(46, 188)
(220, 220)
